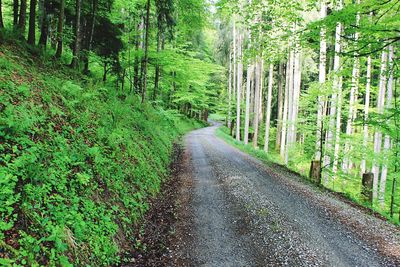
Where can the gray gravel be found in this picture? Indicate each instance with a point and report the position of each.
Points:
(248, 214)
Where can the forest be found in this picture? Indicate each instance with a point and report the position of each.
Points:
(313, 84)
(95, 94)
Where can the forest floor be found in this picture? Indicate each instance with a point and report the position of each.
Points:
(223, 207)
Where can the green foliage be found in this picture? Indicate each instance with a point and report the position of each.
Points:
(78, 166)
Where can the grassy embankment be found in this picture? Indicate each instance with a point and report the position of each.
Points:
(78, 164)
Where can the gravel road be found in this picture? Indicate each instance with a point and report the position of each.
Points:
(244, 213)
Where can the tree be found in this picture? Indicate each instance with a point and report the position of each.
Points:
(77, 37)
(32, 22)
(268, 108)
(60, 27)
(22, 17)
(146, 52)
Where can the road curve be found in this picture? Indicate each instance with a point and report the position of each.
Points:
(248, 214)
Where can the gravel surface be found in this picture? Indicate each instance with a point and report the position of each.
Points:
(244, 213)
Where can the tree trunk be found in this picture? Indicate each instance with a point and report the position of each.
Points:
(44, 29)
(76, 47)
(136, 80)
(157, 71)
(250, 69)
(321, 79)
(60, 26)
(146, 48)
(285, 109)
(386, 145)
(239, 86)
(257, 100)
(334, 99)
(15, 13)
(89, 39)
(280, 106)
(353, 98)
(290, 107)
(22, 17)
(1, 16)
(229, 124)
(32, 22)
(378, 134)
(234, 60)
(366, 112)
(268, 108)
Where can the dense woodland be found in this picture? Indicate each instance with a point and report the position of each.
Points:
(93, 95)
(313, 83)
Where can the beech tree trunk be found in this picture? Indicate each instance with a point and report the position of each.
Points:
(239, 87)
(280, 106)
(334, 99)
(386, 143)
(268, 108)
(366, 112)
(250, 69)
(290, 107)
(229, 122)
(321, 79)
(353, 98)
(285, 109)
(257, 90)
(378, 134)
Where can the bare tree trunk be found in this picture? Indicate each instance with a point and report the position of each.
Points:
(22, 17)
(32, 22)
(268, 108)
(60, 27)
(366, 113)
(386, 145)
(353, 98)
(334, 99)
(76, 48)
(290, 107)
(146, 52)
(234, 60)
(280, 106)
(378, 134)
(239, 87)
(250, 69)
(1, 16)
(285, 110)
(321, 79)
(15, 13)
(229, 122)
(257, 101)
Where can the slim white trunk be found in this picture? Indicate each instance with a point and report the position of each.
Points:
(260, 109)
(290, 107)
(256, 101)
(296, 91)
(268, 108)
(230, 91)
(366, 113)
(285, 111)
(334, 99)
(234, 61)
(239, 86)
(378, 134)
(353, 98)
(322, 79)
(386, 145)
(247, 112)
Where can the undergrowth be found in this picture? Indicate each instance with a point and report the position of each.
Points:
(78, 165)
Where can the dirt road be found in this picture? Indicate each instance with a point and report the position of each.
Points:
(244, 213)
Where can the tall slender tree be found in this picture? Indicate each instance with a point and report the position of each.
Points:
(32, 22)
(146, 51)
